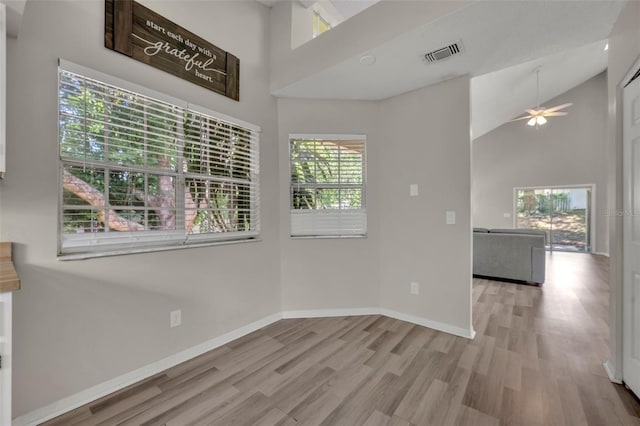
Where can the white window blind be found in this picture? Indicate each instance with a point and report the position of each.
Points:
(139, 172)
(328, 185)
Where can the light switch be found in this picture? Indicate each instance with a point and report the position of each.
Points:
(451, 217)
(507, 215)
(413, 190)
(175, 318)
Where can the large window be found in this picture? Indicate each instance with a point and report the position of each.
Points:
(564, 213)
(328, 185)
(137, 172)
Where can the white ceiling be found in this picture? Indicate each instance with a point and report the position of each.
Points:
(499, 96)
(15, 10)
(566, 38)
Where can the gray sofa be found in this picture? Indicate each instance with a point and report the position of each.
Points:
(513, 254)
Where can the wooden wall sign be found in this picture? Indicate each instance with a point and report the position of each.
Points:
(142, 34)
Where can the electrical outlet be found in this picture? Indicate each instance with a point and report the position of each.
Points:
(450, 217)
(414, 288)
(175, 318)
(413, 190)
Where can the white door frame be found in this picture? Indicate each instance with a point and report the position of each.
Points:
(7, 297)
(613, 366)
(631, 247)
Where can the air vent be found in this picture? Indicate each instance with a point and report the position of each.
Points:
(444, 53)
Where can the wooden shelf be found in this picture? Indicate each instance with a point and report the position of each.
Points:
(9, 280)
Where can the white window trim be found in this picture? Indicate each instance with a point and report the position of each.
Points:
(328, 12)
(330, 136)
(132, 242)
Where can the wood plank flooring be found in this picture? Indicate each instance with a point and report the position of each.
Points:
(536, 360)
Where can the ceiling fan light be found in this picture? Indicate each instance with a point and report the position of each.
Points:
(541, 120)
(532, 122)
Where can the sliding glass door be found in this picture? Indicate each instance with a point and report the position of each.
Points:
(563, 213)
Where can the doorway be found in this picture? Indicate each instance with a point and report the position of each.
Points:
(563, 212)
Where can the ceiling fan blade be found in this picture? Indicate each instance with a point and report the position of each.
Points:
(521, 118)
(532, 112)
(556, 108)
(555, 114)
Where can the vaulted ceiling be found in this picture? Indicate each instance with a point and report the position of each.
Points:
(503, 43)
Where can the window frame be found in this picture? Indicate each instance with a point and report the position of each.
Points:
(343, 212)
(93, 244)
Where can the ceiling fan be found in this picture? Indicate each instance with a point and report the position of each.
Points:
(537, 116)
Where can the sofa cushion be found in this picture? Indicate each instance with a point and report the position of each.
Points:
(520, 231)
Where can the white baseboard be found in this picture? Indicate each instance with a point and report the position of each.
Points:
(611, 372)
(319, 313)
(601, 253)
(95, 392)
(322, 313)
(447, 328)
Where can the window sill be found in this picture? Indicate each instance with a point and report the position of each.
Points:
(140, 250)
(325, 237)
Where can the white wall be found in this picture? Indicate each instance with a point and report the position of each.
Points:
(330, 273)
(77, 324)
(301, 24)
(624, 51)
(426, 141)
(569, 150)
(302, 20)
(421, 137)
(368, 29)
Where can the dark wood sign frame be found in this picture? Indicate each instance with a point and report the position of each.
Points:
(142, 34)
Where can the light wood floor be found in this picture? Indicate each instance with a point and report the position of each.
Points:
(536, 360)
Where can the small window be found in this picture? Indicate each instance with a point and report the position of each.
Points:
(320, 24)
(328, 185)
(137, 172)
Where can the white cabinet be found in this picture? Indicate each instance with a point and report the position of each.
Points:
(5, 353)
